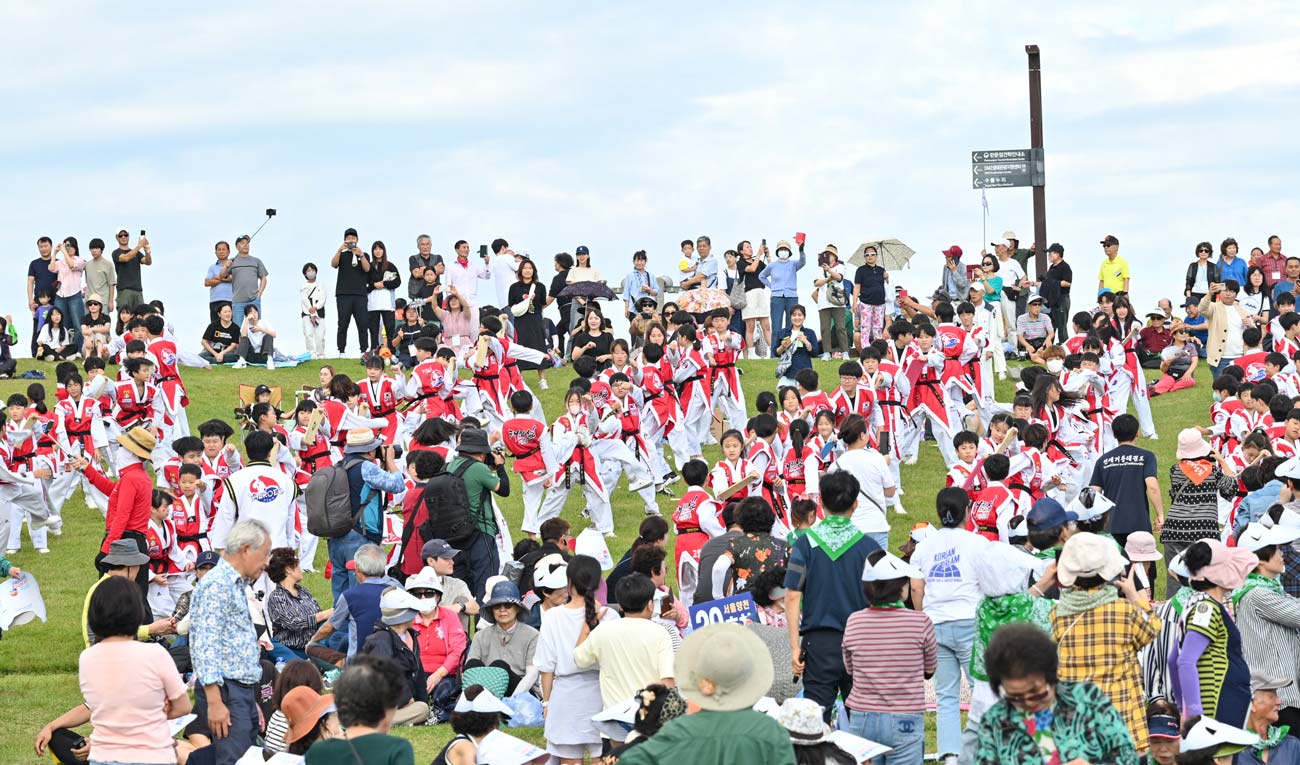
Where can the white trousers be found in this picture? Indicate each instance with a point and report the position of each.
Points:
(313, 336)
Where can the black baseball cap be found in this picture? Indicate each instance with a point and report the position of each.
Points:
(1109, 240)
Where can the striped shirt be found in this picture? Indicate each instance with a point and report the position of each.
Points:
(293, 620)
(1032, 329)
(1269, 624)
(888, 652)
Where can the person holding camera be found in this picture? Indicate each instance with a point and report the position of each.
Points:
(642, 319)
(130, 288)
(350, 289)
(255, 334)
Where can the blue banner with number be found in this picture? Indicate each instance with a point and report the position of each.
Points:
(737, 608)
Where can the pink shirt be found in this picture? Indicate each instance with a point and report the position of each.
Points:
(125, 685)
(71, 275)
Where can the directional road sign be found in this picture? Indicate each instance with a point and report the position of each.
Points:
(1006, 169)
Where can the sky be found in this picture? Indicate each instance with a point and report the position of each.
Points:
(625, 127)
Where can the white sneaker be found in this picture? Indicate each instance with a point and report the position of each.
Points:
(43, 550)
(11, 551)
(54, 525)
(270, 363)
(639, 485)
(652, 510)
(898, 508)
(911, 459)
(1153, 437)
(543, 385)
(241, 364)
(611, 535)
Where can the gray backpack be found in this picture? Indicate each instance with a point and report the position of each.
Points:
(328, 495)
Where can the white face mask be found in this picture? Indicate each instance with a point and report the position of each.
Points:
(1217, 397)
(1055, 366)
(575, 409)
(310, 274)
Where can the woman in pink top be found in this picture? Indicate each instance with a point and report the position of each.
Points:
(442, 643)
(889, 651)
(131, 689)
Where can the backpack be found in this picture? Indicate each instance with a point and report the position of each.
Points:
(328, 496)
(447, 500)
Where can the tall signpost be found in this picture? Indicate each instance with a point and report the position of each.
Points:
(1012, 168)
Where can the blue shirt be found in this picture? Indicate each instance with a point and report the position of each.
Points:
(832, 589)
(802, 358)
(223, 641)
(223, 290)
(1236, 270)
(1282, 286)
(1201, 335)
(781, 276)
(357, 610)
(710, 269)
(632, 286)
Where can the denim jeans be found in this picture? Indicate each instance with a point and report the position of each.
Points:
(281, 652)
(904, 733)
(237, 309)
(241, 702)
(881, 538)
(1217, 369)
(955, 640)
(73, 309)
(781, 307)
(341, 551)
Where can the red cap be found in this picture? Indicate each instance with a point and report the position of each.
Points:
(1109, 240)
(952, 252)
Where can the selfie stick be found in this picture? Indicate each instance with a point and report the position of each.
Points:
(270, 213)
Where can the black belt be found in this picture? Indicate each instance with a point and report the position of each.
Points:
(1091, 412)
(191, 537)
(929, 382)
(993, 529)
(313, 457)
(889, 402)
(377, 413)
(23, 457)
(528, 453)
(1020, 487)
(481, 376)
(628, 433)
(78, 433)
(168, 378)
(689, 531)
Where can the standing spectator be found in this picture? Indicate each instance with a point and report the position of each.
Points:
(463, 275)
(130, 502)
(638, 283)
(1055, 290)
(130, 287)
(131, 689)
(101, 277)
(367, 484)
(890, 651)
(1201, 273)
(223, 643)
(782, 277)
(1255, 295)
(367, 695)
(1039, 717)
(247, 277)
(256, 340)
(1015, 283)
(382, 282)
(421, 261)
(480, 558)
(1289, 279)
(948, 593)
(869, 293)
(1195, 482)
(526, 300)
(505, 265)
(724, 669)
(563, 262)
(1233, 267)
(218, 281)
(1269, 619)
(1114, 272)
(876, 485)
(40, 279)
(1225, 320)
(757, 305)
(823, 588)
(221, 338)
(70, 271)
(353, 266)
(1126, 475)
(828, 293)
(1273, 261)
(259, 491)
(311, 305)
(1098, 633)
(953, 282)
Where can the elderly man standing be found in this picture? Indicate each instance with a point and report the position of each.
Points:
(224, 645)
(423, 259)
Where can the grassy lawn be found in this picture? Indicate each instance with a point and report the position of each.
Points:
(38, 662)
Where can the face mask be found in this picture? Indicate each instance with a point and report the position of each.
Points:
(575, 409)
(311, 274)
(1055, 366)
(1217, 398)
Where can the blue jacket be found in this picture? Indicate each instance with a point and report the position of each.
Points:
(782, 276)
(802, 359)
(1256, 503)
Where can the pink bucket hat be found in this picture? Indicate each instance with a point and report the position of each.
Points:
(1228, 565)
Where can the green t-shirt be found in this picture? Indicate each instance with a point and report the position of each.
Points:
(718, 738)
(479, 480)
(372, 749)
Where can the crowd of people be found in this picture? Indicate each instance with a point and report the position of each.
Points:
(1033, 580)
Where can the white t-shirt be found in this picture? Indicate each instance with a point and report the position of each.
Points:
(503, 273)
(1010, 271)
(1232, 346)
(946, 557)
(874, 476)
(255, 335)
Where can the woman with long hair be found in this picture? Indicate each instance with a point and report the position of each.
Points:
(1255, 296)
(457, 319)
(526, 301)
(1061, 413)
(54, 341)
(570, 694)
(382, 282)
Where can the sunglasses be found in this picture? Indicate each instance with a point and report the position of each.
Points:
(123, 235)
(423, 593)
(1198, 252)
(1028, 699)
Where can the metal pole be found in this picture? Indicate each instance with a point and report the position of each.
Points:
(1036, 142)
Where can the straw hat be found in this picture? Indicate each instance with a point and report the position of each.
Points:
(723, 668)
(139, 442)
(361, 441)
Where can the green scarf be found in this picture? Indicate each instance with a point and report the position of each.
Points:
(1254, 580)
(1275, 735)
(834, 534)
(1179, 601)
(1074, 601)
(893, 604)
(993, 613)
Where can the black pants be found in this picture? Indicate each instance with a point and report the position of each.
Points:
(1290, 716)
(1061, 318)
(259, 356)
(511, 685)
(141, 575)
(824, 677)
(389, 322)
(478, 561)
(352, 309)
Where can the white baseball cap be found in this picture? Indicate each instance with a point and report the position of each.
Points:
(1289, 469)
(1256, 536)
(120, 229)
(890, 567)
(1209, 732)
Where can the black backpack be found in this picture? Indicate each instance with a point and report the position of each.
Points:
(447, 501)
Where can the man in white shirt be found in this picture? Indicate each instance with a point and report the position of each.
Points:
(464, 274)
(949, 595)
(505, 265)
(1013, 276)
(260, 491)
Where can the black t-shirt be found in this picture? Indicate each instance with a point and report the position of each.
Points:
(603, 343)
(90, 321)
(419, 261)
(43, 277)
(1061, 272)
(563, 303)
(128, 271)
(221, 337)
(351, 279)
(871, 283)
(751, 280)
(1121, 473)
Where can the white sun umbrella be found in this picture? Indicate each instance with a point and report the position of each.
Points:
(892, 253)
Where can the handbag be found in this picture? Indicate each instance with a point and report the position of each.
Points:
(737, 294)
(835, 291)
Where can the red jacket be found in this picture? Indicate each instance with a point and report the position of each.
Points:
(128, 505)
